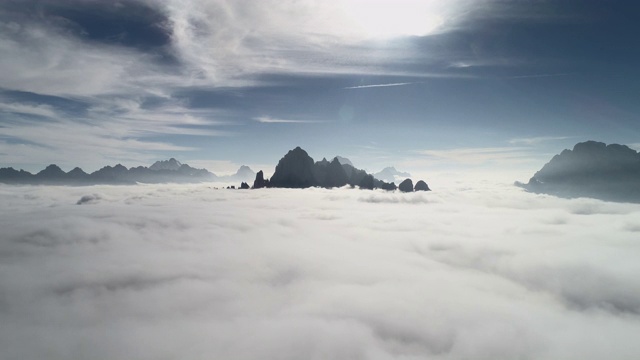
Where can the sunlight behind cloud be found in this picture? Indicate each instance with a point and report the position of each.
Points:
(386, 18)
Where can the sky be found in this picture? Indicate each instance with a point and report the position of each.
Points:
(187, 272)
(421, 85)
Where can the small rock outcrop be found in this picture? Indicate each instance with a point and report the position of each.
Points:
(244, 186)
(260, 181)
(406, 186)
(421, 186)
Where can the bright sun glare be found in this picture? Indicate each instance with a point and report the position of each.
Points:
(389, 18)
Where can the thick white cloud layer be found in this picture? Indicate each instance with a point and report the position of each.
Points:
(478, 271)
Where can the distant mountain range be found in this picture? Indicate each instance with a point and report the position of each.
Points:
(592, 169)
(167, 171)
(295, 170)
(390, 174)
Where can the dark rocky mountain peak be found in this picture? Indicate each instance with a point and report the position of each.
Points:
(298, 170)
(335, 175)
(117, 174)
(77, 171)
(51, 171)
(119, 168)
(11, 175)
(294, 170)
(344, 160)
(591, 169)
(171, 164)
(260, 181)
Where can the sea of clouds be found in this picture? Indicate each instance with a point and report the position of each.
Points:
(476, 270)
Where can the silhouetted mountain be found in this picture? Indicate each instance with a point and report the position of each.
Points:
(260, 181)
(367, 182)
(390, 174)
(335, 175)
(118, 174)
(171, 164)
(344, 161)
(294, 170)
(112, 175)
(11, 175)
(406, 186)
(244, 174)
(358, 177)
(591, 169)
(77, 174)
(297, 170)
(51, 172)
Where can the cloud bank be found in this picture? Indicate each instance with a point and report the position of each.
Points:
(478, 270)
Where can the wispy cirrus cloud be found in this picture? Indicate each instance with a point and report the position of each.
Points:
(477, 155)
(536, 140)
(27, 109)
(272, 120)
(533, 76)
(378, 85)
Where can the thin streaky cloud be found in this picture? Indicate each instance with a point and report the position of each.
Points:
(536, 140)
(533, 76)
(477, 155)
(270, 120)
(378, 85)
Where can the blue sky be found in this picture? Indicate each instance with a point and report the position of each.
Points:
(422, 85)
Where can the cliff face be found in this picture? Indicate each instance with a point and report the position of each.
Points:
(591, 169)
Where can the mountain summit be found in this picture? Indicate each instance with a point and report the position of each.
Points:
(294, 170)
(171, 164)
(390, 174)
